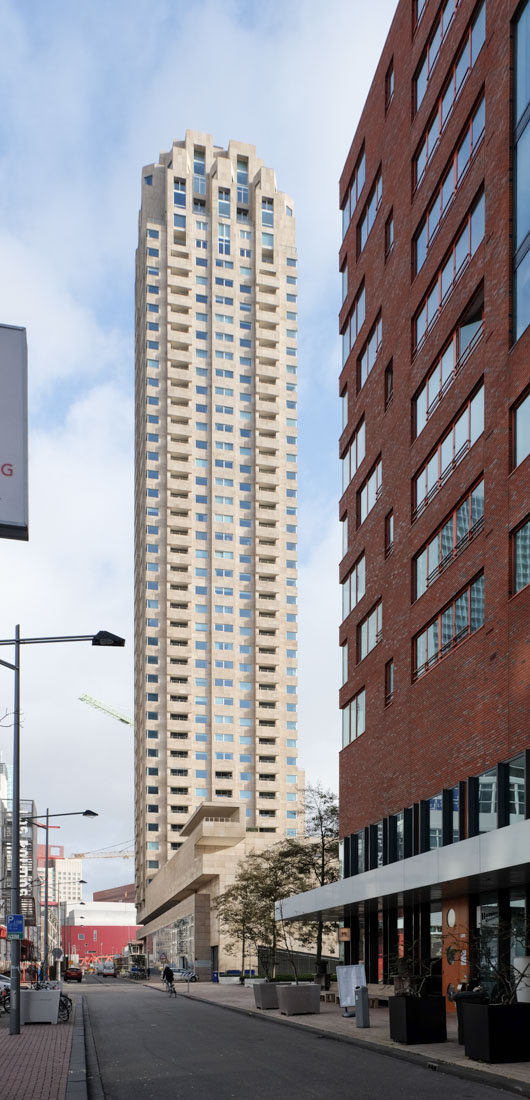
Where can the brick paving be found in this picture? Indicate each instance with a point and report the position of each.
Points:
(34, 1065)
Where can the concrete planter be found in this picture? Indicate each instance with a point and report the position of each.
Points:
(254, 981)
(266, 995)
(417, 1020)
(496, 1033)
(228, 980)
(298, 1000)
(39, 1006)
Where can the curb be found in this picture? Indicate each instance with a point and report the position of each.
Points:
(92, 1063)
(76, 1087)
(467, 1073)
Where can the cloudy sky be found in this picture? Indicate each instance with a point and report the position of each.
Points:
(90, 93)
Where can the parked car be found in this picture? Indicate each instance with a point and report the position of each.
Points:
(183, 974)
(73, 974)
(5, 981)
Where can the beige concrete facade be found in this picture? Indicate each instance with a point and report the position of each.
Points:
(215, 503)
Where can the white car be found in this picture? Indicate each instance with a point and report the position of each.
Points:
(5, 982)
(182, 974)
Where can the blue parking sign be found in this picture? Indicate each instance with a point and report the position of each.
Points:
(15, 925)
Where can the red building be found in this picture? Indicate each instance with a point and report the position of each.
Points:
(116, 893)
(435, 262)
(97, 940)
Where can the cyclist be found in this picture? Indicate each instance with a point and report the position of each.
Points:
(167, 976)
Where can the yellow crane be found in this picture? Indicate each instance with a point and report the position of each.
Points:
(127, 721)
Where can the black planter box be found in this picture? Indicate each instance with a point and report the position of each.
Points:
(417, 1020)
(497, 1033)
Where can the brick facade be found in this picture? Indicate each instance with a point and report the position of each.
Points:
(470, 709)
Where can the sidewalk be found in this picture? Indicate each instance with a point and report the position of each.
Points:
(448, 1057)
(42, 1063)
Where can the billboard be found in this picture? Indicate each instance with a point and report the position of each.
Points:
(13, 433)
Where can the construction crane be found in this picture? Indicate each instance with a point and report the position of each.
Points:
(103, 853)
(107, 710)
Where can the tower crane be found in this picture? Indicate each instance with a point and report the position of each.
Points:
(127, 721)
(104, 853)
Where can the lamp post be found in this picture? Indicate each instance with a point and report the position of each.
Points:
(102, 638)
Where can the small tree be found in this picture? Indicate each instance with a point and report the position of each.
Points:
(246, 908)
(322, 852)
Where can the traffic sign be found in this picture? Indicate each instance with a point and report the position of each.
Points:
(15, 926)
(57, 953)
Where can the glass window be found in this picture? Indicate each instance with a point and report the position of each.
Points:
(454, 446)
(370, 491)
(370, 631)
(487, 801)
(456, 813)
(353, 193)
(521, 557)
(516, 790)
(448, 542)
(522, 430)
(463, 617)
(370, 211)
(435, 822)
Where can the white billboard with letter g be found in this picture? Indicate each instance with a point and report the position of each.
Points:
(13, 433)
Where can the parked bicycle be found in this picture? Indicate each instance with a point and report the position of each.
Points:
(5, 1000)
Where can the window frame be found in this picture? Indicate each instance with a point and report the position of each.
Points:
(458, 544)
(457, 637)
(445, 473)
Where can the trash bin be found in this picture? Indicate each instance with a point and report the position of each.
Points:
(471, 997)
(362, 1009)
(215, 976)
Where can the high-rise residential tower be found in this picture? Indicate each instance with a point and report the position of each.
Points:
(215, 498)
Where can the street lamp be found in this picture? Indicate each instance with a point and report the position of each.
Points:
(73, 813)
(102, 638)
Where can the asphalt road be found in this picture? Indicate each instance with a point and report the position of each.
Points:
(151, 1046)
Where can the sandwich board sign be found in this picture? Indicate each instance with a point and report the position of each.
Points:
(348, 978)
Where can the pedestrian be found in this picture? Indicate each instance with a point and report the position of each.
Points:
(167, 975)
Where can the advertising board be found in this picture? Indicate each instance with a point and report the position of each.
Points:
(13, 433)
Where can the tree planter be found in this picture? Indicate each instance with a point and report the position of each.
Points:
(417, 1020)
(39, 1006)
(266, 995)
(298, 1000)
(497, 1033)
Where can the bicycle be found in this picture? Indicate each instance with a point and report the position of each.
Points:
(5, 1001)
(170, 988)
(65, 1008)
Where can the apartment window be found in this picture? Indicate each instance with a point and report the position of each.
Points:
(389, 234)
(344, 274)
(462, 250)
(354, 718)
(224, 202)
(521, 430)
(389, 85)
(521, 275)
(389, 534)
(368, 356)
(389, 384)
(453, 447)
(354, 587)
(462, 617)
(344, 404)
(224, 239)
(455, 354)
(389, 682)
(345, 663)
(267, 212)
(369, 632)
(179, 192)
(242, 170)
(354, 455)
(199, 171)
(446, 191)
(521, 557)
(465, 522)
(353, 193)
(370, 491)
(370, 211)
(460, 70)
(344, 523)
(354, 323)
(429, 57)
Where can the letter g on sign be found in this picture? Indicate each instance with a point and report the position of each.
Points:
(6, 469)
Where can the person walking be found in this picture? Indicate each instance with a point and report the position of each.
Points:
(167, 975)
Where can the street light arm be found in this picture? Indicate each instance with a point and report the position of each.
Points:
(102, 638)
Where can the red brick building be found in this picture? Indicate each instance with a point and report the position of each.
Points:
(435, 387)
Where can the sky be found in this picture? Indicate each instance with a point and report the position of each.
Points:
(90, 93)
